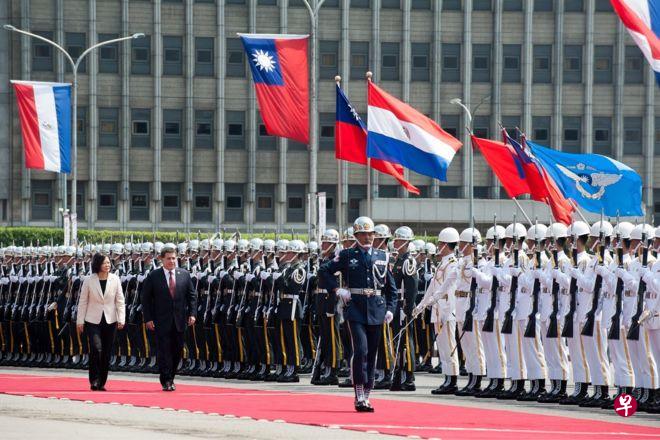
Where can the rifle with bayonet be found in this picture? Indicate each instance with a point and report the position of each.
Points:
(588, 329)
(469, 319)
(507, 326)
(567, 332)
(490, 313)
(633, 332)
(615, 328)
(530, 330)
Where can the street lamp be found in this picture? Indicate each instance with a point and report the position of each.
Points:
(74, 70)
(457, 101)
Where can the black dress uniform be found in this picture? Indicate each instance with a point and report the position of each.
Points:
(373, 293)
(329, 341)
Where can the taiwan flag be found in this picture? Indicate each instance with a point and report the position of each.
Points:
(281, 80)
(351, 142)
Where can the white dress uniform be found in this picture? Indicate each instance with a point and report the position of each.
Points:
(651, 325)
(440, 294)
(532, 349)
(516, 369)
(493, 342)
(471, 342)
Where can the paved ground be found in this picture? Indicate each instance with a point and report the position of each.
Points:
(21, 416)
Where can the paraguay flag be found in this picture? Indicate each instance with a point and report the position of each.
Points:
(398, 133)
(44, 110)
(351, 142)
(642, 19)
(279, 69)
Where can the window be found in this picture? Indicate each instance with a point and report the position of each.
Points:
(359, 59)
(235, 133)
(482, 126)
(603, 6)
(265, 2)
(140, 128)
(202, 207)
(330, 198)
(360, 3)
(172, 55)
(329, 54)
(389, 61)
(42, 53)
(265, 207)
(572, 64)
(510, 123)
(542, 63)
(204, 129)
(420, 4)
(172, 128)
(511, 64)
(327, 131)
(450, 123)
(295, 203)
(235, 2)
(448, 192)
(543, 5)
(42, 199)
(235, 58)
(76, 43)
(80, 199)
(512, 5)
(573, 6)
(634, 65)
(451, 62)
(264, 140)
(204, 56)
(81, 125)
(451, 5)
(356, 193)
(603, 64)
(602, 135)
(390, 4)
(108, 127)
(234, 202)
(481, 192)
(572, 134)
(171, 203)
(107, 200)
(388, 191)
(541, 129)
(420, 61)
(632, 135)
(481, 5)
(141, 56)
(481, 62)
(109, 55)
(139, 201)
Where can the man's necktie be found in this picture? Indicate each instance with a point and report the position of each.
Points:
(172, 286)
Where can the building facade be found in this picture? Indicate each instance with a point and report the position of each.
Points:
(170, 137)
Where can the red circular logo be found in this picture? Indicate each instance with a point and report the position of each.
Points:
(625, 405)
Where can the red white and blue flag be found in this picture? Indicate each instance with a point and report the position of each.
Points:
(351, 142)
(44, 110)
(398, 133)
(642, 19)
(279, 69)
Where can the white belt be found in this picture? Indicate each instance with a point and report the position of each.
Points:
(367, 292)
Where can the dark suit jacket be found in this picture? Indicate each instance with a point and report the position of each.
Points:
(158, 305)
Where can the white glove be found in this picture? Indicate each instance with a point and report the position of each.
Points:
(236, 274)
(344, 294)
(4, 281)
(515, 271)
(223, 273)
(276, 275)
(264, 275)
(309, 275)
(601, 270)
(13, 278)
(388, 317)
(428, 276)
(418, 309)
(537, 274)
(249, 277)
(199, 275)
(210, 279)
(122, 278)
(620, 272)
(555, 273)
(140, 278)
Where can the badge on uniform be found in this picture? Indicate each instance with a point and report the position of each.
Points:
(353, 263)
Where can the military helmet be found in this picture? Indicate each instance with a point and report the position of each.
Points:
(430, 249)
(193, 245)
(557, 230)
(157, 246)
(117, 248)
(515, 229)
(624, 229)
(229, 245)
(382, 231)
(448, 235)
(467, 235)
(495, 232)
(363, 224)
(348, 235)
(312, 247)
(330, 236)
(636, 233)
(296, 246)
(404, 233)
(205, 244)
(281, 245)
(537, 232)
(605, 227)
(579, 228)
(269, 246)
(412, 249)
(218, 243)
(256, 244)
(419, 244)
(242, 245)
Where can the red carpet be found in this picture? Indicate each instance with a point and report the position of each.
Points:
(427, 420)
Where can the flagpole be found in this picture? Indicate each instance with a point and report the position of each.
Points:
(338, 207)
(523, 211)
(369, 76)
(578, 210)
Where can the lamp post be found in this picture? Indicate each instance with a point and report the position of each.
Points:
(457, 101)
(74, 69)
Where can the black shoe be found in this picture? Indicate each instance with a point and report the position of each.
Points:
(344, 372)
(436, 370)
(408, 386)
(578, 395)
(94, 386)
(362, 406)
(383, 384)
(465, 390)
(492, 390)
(347, 383)
(538, 388)
(449, 387)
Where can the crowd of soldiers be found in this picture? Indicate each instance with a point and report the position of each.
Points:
(540, 307)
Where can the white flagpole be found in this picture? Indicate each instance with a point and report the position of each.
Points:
(369, 75)
(339, 208)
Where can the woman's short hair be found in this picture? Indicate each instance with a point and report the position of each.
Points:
(97, 262)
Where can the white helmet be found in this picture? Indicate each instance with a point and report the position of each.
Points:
(537, 232)
(412, 249)
(448, 235)
(419, 244)
(205, 244)
(256, 244)
(157, 246)
(312, 247)
(128, 247)
(557, 230)
(382, 231)
(430, 249)
(468, 234)
(605, 227)
(269, 246)
(218, 243)
(182, 247)
(229, 245)
(519, 232)
(296, 246)
(331, 236)
(106, 248)
(348, 235)
(623, 229)
(242, 245)
(363, 224)
(404, 233)
(579, 228)
(644, 228)
(193, 245)
(117, 248)
(169, 246)
(495, 232)
(71, 251)
(281, 245)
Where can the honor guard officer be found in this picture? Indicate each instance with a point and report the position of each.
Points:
(440, 296)
(423, 327)
(649, 319)
(385, 357)
(370, 299)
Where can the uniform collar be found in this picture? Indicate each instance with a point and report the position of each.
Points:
(447, 258)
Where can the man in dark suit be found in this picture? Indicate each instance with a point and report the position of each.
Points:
(169, 299)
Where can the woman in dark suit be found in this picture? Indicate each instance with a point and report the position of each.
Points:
(101, 311)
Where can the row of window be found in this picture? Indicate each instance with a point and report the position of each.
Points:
(390, 62)
(447, 5)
